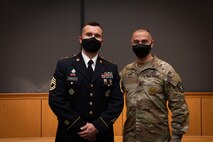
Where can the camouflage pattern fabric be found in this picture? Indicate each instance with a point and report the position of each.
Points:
(149, 88)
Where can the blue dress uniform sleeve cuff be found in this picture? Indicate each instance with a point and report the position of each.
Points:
(101, 125)
(75, 125)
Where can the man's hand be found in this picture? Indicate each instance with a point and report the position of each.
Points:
(88, 132)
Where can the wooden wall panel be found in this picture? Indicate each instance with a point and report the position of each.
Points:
(194, 104)
(29, 115)
(49, 120)
(20, 118)
(207, 116)
(118, 126)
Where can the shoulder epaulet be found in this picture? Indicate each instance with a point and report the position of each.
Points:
(106, 59)
(68, 57)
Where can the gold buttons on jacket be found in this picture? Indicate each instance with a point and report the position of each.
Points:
(90, 112)
(91, 95)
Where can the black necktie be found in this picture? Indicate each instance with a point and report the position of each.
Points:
(90, 70)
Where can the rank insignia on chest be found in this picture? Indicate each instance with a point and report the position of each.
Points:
(107, 75)
(152, 90)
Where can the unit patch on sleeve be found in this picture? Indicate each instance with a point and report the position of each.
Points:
(53, 84)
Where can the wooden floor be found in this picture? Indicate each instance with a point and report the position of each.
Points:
(117, 139)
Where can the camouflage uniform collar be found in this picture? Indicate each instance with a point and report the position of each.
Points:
(148, 65)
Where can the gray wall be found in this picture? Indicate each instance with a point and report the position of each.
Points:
(35, 34)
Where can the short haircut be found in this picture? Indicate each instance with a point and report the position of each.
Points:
(93, 23)
(142, 30)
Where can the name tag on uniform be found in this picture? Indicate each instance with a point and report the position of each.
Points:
(71, 78)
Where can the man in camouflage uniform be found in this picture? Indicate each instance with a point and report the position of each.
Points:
(149, 83)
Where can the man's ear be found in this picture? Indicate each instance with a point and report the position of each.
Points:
(152, 43)
(80, 39)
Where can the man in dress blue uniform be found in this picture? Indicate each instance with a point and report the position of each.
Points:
(85, 104)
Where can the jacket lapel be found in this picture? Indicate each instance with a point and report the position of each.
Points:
(80, 66)
(99, 68)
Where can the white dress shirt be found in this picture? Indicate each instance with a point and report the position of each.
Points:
(86, 60)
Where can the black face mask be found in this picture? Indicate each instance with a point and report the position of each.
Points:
(141, 50)
(91, 44)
